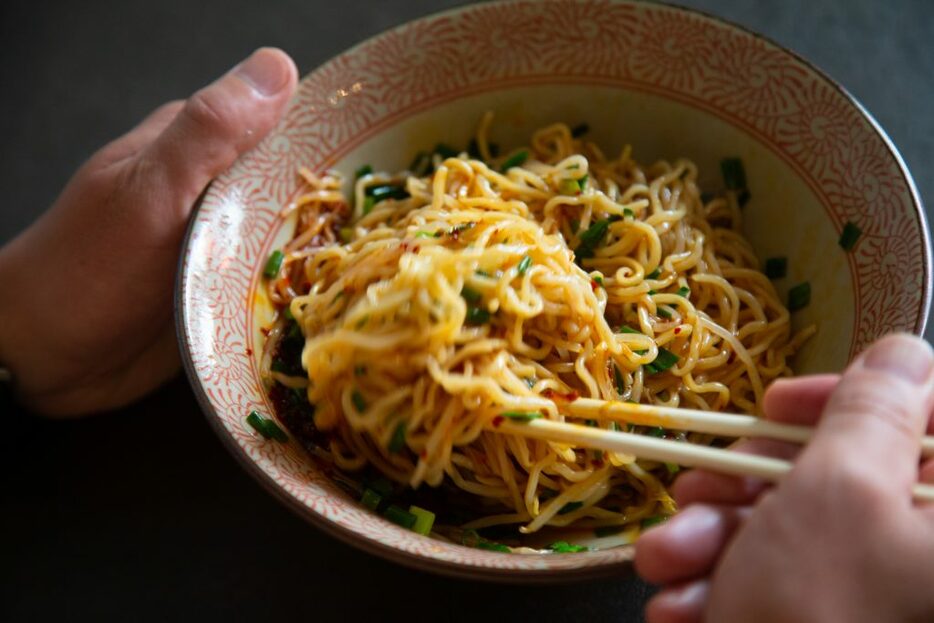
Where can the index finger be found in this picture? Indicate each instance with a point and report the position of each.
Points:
(875, 417)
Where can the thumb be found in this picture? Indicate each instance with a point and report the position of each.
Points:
(221, 121)
(876, 415)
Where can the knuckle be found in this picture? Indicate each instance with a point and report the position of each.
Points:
(865, 400)
(207, 112)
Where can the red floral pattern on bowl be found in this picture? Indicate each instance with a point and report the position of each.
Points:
(552, 58)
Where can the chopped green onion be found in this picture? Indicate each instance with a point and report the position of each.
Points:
(563, 547)
(662, 362)
(515, 160)
(287, 312)
(364, 170)
(599, 280)
(421, 164)
(652, 292)
(387, 191)
(656, 431)
(849, 236)
(470, 295)
(397, 442)
(604, 531)
(477, 315)
(582, 181)
(799, 296)
(579, 130)
(446, 151)
(371, 499)
(521, 416)
(591, 238)
(266, 427)
(346, 234)
(359, 402)
(426, 234)
(673, 468)
(493, 547)
(424, 520)
(628, 213)
(648, 522)
(655, 273)
(568, 187)
(530, 382)
(683, 291)
(734, 174)
(368, 204)
(362, 322)
(663, 312)
(400, 517)
(382, 486)
(570, 507)
(273, 264)
(776, 267)
(524, 264)
(618, 377)
(625, 329)
(591, 423)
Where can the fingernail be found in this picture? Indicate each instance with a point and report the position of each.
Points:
(264, 71)
(693, 521)
(690, 596)
(904, 356)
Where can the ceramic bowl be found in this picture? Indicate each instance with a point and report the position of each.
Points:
(669, 81)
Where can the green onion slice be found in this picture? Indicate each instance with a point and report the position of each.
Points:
(359, 402)
(734, 174)
(266, 427)
(849, 236)
(397, 442)
(799, 296)
(563, 547)
(371, 499)
(470, 295)
(521, 416)
(273, 264)
(515, 160)
(524, 264)
(665, 360)
(364, 170)
(477, 315)
(424, 520)
(776, 267)
(400, 517)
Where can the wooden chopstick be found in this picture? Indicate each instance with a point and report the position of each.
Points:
(664, 450)
(721, 424)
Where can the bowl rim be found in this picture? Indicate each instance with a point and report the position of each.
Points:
(466, 570)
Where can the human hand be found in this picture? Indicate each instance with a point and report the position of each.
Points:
(838, 539)
(86, 292)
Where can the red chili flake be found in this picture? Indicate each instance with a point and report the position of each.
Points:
(571, 396)
(594, 285)
(249, 352)
(264, 331)
(677, 330)
(497, 421)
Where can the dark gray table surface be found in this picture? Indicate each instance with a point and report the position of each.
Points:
(141, 515)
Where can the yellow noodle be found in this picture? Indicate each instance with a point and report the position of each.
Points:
(486, 292)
